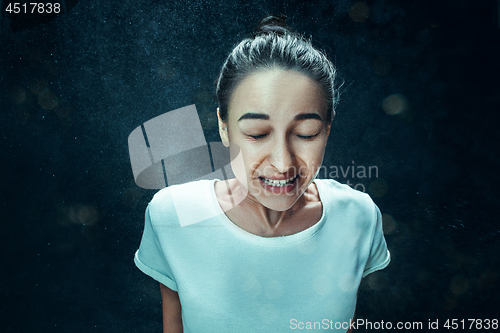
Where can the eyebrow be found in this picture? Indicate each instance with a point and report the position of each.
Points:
(264, 116)
(254, 116)
(303, 116)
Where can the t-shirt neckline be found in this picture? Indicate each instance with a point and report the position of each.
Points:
(277, 240)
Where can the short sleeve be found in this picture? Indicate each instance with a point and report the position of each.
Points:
(150, 258)
(379, 254)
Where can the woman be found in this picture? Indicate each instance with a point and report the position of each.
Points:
(275, 249)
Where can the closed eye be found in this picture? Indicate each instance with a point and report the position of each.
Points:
(256, 137)
(306, 137)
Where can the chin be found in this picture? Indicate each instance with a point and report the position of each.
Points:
(278, 205)
(278, 201)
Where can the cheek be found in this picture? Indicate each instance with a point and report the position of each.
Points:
(244, 161)
(238, 164)
(252, 156)
(313, 161)
(312, 155)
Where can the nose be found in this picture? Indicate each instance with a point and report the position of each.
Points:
(281, 156)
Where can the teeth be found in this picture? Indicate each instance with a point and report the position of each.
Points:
(278, 183)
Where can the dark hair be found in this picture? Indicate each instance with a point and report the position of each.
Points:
(275, 45)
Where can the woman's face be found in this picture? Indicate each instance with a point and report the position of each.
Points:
(277, 118)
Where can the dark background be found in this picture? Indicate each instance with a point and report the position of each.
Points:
(74, 85)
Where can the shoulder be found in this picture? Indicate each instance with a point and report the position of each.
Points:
(333, 190)
(184, 204)
(342, 196)
(186, 192)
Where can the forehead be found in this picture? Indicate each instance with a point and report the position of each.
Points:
(281, 94)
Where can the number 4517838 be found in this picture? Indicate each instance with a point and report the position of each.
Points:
(471, 324)
(33, 8)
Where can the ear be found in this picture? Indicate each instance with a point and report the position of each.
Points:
(223, 130)
(329, 126)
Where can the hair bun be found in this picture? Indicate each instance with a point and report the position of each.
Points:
(272, 24)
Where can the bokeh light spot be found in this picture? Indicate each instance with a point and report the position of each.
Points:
(381, 66)
(63, 112)
(307, 247)
(38, 87)
(359, 12)
(378, 188)
(165, 71)
(203, 96)
(268, 313)
(322, 285)
(377, 281)
(83, 214)
(459, 284)
(395, 104)
(450, 302)
(388, 223)
(132, 195)
(251, 286)
(488, 279)
(47, 100)
(208, 119)
(274, 290)
(348, 282)
(18, 95)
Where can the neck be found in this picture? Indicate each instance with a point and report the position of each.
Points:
(250, 214)
(268, 219)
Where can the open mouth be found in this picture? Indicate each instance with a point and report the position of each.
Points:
(279, 183)
(279, 186)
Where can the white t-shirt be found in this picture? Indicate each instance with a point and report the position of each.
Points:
(230, 280)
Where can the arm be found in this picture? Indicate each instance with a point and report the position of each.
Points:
(171, 308)
(354, 316)
(350, 329)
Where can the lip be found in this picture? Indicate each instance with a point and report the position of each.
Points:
(279, 189)
(279, 178)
